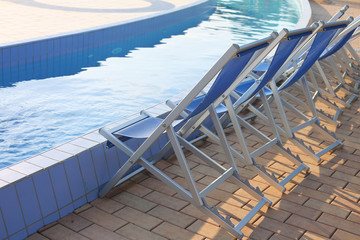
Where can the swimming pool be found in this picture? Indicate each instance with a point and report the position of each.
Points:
(43, 108)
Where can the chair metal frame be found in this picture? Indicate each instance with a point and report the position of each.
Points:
(178, 140)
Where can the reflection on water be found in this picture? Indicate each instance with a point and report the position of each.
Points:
(82, 91)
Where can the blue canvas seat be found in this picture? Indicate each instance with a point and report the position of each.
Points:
(228, 71)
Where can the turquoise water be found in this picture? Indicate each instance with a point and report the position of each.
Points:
(47, 108)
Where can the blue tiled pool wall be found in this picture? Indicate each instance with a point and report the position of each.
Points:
(54, 192)
(67, 55)
(48, 195)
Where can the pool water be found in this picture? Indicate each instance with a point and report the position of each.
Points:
(44, 109)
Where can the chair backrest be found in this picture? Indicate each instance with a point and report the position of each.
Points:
(226, 77)
(321, 41)
(282, 53)
(342, 39)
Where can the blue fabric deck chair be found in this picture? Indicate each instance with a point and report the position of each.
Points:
(254, 88)
(261, 68)
(334, 82)
(229, 69)
(318, 44)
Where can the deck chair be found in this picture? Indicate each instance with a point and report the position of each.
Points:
(256, 88)
(317, 95)
(229, 69)
(320, 42)
(334, 83)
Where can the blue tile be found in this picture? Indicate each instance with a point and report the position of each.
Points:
(14, 73)
(92, 195)
(28, 201)
(14, 59)
(163, 139)
(29, 53)
(75, 43)
(45, 193)
(80, 40)
(1, 60)
(73, 173)
(52, 218)
(147, 154)
(36, 226)
(37, 52)
(43, 50)
(19, 236)
(22, 72)
(122, 157)
(100, 164)
(22, 55)
(66, 210)
(50, 48)
(87, 171)
(3, 233)
(6, 56)
(11, 210)
(60, 184)
(112, 160)
(43, 69)
(56, 43)
(80, 202)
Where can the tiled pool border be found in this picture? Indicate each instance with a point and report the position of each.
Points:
(47, 187)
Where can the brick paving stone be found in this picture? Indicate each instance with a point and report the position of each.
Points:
(135, 188)
(83, 208)
(166, 200)
(339, 192)
(279, 227)
(37, 236)
(328, 208)
(256, 233)
(59, 232)
(346, 203)
(157, 185)
(171, 216)
(134, 232)
(279, 237)
(354, 217)
(298, 209)
(295, 198)
(277, 214)
(107, 204)
(97, 232)
(312, 226)
(322, 196)
(134, 201)
(103, 219)
(75, 222)
(138, 218)
(176, 233)
(194, 212)
(312, 236)
(209, 230)
(343, 235)
(340, 223)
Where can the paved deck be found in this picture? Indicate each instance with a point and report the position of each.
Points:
(28, 19)
(322, 205)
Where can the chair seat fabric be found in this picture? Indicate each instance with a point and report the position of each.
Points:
(193, 105)
(141, 129)
(244, 86)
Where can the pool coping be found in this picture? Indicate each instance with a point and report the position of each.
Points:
(52, 172)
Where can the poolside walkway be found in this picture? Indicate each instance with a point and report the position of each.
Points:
(322, 205)
(27, 19)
